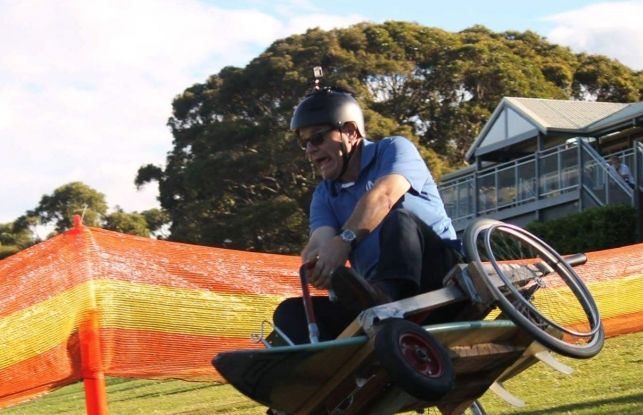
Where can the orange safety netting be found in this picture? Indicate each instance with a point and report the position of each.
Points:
(165, 309)
(615, 279)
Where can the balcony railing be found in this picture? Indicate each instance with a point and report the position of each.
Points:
(543, 175)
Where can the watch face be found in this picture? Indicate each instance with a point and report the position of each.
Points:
(348, 235)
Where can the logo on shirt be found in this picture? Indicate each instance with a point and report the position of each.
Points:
(369, 185)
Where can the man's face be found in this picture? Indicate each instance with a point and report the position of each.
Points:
(327, 155)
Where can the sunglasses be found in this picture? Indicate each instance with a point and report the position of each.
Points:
(315, 139)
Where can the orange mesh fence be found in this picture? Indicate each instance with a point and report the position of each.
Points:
(165, 309)
(615, 279)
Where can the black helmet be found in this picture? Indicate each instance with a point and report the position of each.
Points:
(328, 106)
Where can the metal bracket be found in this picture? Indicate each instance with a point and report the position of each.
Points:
(370, 317)
(460, 277)
(262, 338)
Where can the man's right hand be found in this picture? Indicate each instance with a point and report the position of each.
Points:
(330, 255)
(310, 253)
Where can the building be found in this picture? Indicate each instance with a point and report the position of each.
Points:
(541, 159)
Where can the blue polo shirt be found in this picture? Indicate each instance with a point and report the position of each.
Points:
(334, 201)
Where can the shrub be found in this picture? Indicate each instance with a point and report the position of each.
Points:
(591, 230)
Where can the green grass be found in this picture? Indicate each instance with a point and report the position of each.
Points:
(607, 384)
(610, 383)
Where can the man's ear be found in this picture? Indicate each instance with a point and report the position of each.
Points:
(350, 129)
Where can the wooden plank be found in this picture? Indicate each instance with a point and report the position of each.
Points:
(340, 375)
(404, 308)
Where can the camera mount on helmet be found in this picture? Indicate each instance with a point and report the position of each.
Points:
(327, 106)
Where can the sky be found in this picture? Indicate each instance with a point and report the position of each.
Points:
(86, 86)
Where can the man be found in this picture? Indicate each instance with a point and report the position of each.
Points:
(622, 170)
(377, 206)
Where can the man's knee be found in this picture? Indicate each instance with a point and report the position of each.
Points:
(286, 311)
(399, 220)
(400, 215)
(289, 318)
(288, 307)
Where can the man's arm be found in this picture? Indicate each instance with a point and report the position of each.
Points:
(373, 207)
(627, 174)
(330, 250)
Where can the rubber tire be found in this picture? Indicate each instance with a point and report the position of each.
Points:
(389, 351)
(584, 351)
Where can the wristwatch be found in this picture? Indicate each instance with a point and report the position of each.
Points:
(349, 237)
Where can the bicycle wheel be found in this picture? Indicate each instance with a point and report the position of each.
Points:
(535, 287)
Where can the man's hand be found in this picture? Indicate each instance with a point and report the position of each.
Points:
(330, 255)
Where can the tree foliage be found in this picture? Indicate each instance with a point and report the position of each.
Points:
(76, 198)
(15, 236)
(590, 230)
(130, 223)
(58, 209)
(71, 199)
(235, 176)
(144, 223)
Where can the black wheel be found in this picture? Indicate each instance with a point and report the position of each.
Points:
(535, 287)
(414, 360)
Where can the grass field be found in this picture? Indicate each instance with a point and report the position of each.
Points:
(608, 384)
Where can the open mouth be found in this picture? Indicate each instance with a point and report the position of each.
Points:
(322, 162)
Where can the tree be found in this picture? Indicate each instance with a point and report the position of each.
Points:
(59, 208)
(602, 79)
(235, 176)
(71, 199)
(134, 223)
(156, 219)
(131, 223)
(15, 236)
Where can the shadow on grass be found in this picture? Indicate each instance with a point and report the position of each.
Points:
(154, 394)
(630, 399)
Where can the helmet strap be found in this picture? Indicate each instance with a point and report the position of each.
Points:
(346, 155)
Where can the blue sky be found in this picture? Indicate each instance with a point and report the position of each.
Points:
(453, 15)
(86, 85)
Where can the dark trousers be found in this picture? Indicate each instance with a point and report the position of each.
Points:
(331, 318)
(413, 260)
(411, 251)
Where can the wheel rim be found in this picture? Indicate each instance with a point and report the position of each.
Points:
(551, 322)
(420, 355)
(523, 305)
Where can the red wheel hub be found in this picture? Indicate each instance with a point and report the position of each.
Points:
(420, 355)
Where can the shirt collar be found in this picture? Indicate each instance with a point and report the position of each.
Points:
(368, 155)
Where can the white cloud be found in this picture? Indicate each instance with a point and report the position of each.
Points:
(613, 29)
(86, 86)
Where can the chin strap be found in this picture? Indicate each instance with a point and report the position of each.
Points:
(346, 157)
